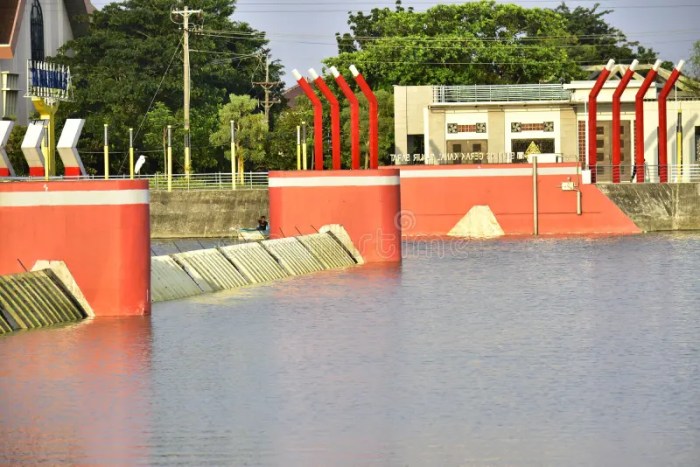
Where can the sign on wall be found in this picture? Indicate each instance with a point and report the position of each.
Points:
(48, 80)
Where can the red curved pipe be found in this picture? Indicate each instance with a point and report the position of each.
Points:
(318, 119)
(616, 120)
(354, 117)
(335, 116)
(373, 117)
(593, 117)
(639, 118)
(663, 129)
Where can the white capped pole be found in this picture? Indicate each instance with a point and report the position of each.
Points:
(106, 151)
(298, 147)
(304, 163)
(170, 158)
(131, 153)
(233, 155)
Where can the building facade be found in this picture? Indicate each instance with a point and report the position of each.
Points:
(507, 123)
(32, 30)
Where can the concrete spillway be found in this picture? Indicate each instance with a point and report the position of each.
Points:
(254, 262)
(293, 256)
(202, 271)
(327, 250)
(36, 299)
(170, 282)
(212, 267)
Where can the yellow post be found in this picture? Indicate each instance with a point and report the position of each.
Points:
(47, 112)
(298, 147)
(170, 158)
(303, 137)
(131, 153)
(106, 153)
(233, 156)
(679, 144)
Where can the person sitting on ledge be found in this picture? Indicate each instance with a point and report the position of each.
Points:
(262, 224)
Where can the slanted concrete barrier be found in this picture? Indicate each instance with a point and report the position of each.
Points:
(292, 256)
(170, 282)
(327, 250)
(254, 262)
(211, 267)
(36, 299)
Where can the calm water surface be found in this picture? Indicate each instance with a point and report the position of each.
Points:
(532, 352)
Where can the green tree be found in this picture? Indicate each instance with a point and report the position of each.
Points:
(251, 131)
(14, 150)
(472, 43)
(131, 58)
(694, 61)
(283, 137)
(596, 41)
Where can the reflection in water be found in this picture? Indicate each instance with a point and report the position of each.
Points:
(527, 352)
(77, 393)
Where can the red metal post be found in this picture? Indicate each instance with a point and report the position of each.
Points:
(335, 116)
(593, 117)
(663, 130)
(639, 119)
(354, 117)
(616, 120)
(318, 118)
(373, 117)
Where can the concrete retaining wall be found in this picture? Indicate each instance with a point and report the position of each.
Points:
(35, 299)
(201, 271)
(200, 214)
(658, 207)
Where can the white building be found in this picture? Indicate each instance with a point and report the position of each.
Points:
(492, 124)
(32, 30)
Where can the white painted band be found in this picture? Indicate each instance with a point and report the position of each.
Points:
(500, 172)
(16, 199)
(333, 181)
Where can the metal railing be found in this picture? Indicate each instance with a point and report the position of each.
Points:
(689, 173)
(500, 93)
(195, 182)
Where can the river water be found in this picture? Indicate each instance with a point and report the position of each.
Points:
(518, 352)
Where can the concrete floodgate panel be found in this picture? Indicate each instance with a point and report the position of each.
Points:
(36, 299)
(212, 267)
(170, 282)
(327, 250)
(479, 222)
(292, 256)
(254, 262)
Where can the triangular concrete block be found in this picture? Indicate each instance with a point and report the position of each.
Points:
(479, 222)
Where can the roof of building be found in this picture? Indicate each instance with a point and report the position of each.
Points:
(11, 12)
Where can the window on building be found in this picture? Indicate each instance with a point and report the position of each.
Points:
(697, 143)
(37, 31)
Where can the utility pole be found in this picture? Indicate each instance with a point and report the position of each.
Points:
(267, 85)
(186, 13)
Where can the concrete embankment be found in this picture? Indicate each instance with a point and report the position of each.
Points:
(36, 299)
(658, 207)
(197, 272)
(201, 214)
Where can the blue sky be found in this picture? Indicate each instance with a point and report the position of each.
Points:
(302, 32)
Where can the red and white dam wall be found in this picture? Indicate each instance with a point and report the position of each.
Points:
(366, 202)
(100, 229)
(435, 198)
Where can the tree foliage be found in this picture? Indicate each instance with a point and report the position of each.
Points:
(596, 41)
(128, 72)
(472, 43)
(481, 43)
(250, 129)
